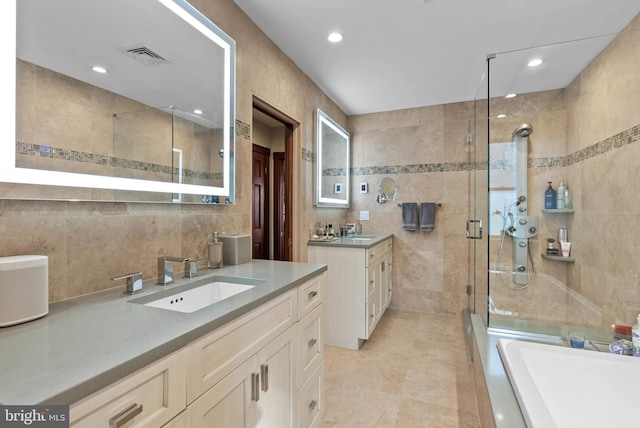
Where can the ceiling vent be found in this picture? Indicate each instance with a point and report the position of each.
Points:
(144, 55)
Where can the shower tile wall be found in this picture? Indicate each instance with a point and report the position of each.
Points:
(588, 134)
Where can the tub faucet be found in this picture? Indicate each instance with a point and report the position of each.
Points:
(165, 268)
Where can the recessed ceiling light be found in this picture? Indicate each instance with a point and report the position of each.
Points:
(99, 69)
(500, 116)
(535, 62)
(197, 111)
(510, 96)
(335, 37)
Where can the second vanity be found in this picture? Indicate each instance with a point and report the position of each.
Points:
(359, 285)
(253, 359)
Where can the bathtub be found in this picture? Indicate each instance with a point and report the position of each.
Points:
(566, 388)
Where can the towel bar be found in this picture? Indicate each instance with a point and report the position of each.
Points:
(438, 204)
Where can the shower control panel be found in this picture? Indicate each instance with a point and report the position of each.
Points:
(524, 227)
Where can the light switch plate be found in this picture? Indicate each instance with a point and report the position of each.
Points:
(364, 215)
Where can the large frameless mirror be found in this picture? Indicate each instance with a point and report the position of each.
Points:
(132, 100)
(332, 156)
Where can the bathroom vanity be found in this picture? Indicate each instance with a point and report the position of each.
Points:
(253, 359)
(359, 285)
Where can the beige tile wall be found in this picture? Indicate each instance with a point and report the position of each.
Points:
(89, 242)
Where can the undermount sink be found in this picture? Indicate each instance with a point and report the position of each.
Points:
(191, 298)
(363, 237)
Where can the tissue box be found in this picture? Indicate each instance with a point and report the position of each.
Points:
(24, 289)
(236, 249)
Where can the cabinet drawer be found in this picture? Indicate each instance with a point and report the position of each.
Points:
(310, 295)
(310, 344)
(214, 356)
(147, 398)
(376, 253)
(311, 400)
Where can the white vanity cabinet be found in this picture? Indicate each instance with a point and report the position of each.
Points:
(260, 392)
(258, 370)
(359, 288)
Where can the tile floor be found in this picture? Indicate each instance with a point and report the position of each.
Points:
(413, 372)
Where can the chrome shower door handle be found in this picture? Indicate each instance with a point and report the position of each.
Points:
(474, 235)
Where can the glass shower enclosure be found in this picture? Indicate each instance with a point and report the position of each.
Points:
(518, 144)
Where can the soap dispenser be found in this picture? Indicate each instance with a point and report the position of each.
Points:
(214, 259)
(635, 337)
(549, 197)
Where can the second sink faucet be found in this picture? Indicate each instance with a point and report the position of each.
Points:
(165, 268)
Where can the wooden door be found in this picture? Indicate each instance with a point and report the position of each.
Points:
(260, 205)
(280, 241)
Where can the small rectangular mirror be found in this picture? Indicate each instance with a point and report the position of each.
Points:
(332, 163)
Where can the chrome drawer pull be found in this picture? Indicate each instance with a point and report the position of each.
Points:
(255, 387)
(313, 404)
(312, 342)
(125, 416)
(313, 294)
(264, 372)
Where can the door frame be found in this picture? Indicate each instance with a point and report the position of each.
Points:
(290, 126)
(265, 213)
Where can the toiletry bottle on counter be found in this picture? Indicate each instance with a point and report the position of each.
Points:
(214, 259)
(560, 195)
(358, 228)
(549, 197)
(635, 337)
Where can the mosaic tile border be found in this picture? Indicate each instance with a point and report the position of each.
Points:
(307, 155)
(243, 130)
(624, 138)
(28, 149)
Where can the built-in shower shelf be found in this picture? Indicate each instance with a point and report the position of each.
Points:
(562, 211)
(559, 258)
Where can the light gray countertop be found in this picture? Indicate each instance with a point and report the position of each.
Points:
(89, 342)
(352, 241)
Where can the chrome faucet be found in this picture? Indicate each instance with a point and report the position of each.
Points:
(191, 268)
(165, 268)
(134, 282)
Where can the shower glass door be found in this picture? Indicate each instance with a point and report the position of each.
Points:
(536, 293)
(478, 142)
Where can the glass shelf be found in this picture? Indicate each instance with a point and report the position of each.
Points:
(559, 258)
(562, 211)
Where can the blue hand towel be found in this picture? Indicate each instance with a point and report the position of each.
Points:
(427, 216)
(409, 216)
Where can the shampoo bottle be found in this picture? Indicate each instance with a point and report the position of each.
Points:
(550, 197)
(214, 259)
(635, 337)
(560, 195)
(567, 199)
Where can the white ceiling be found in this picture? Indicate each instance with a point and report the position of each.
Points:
(409, 53)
